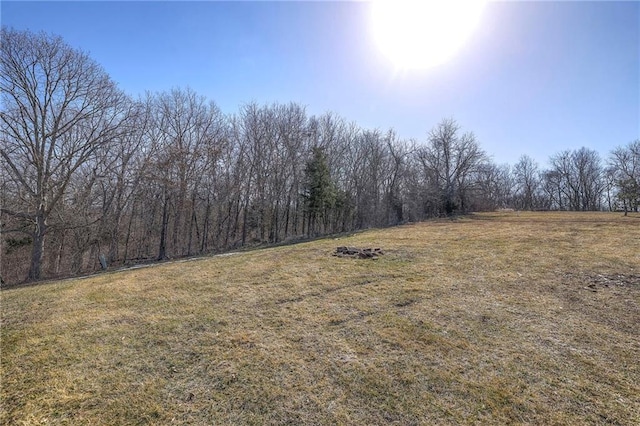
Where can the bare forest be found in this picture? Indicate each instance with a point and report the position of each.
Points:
(91, 178)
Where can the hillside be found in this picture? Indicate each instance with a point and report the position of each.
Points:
(519, 318)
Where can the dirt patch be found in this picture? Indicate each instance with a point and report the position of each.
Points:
(607, 280)
(595, 281)
(405, 303)
(604, 298)
(358, 253)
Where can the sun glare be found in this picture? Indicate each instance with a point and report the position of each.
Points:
(416, 34)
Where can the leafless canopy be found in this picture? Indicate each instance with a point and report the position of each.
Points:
(58, 108)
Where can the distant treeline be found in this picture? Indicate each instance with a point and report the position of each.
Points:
(91, 176)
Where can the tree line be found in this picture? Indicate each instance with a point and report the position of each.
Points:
(92, 177)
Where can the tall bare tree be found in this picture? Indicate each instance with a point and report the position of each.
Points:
(397, 153)
(58, 108)
(624, 167)
(450, 160)
(527, 181)
(575, 179)
(186, 132)
(494, 187)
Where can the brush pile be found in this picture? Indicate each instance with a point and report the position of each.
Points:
(359, 253)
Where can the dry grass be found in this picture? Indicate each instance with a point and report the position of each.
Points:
(504, 318)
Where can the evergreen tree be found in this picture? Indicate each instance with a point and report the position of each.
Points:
(319, 191)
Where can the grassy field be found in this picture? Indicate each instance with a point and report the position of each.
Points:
(502, 318)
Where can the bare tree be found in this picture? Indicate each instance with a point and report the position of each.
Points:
(398, 151)
(123, 167)
(286, 163)
(526, 180)
(493, 188)
(624, 168)
(58, 108)
(554, 189)
(186, 131)
(450, 160)
(575, 180)
(367, 176)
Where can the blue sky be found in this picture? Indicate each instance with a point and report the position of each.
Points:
(535, 78)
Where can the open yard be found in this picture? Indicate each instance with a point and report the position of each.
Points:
(501, 318)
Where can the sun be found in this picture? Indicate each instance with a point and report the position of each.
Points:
(417, 34)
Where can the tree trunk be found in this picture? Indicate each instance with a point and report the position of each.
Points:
(58, 261)
(114, 240)
(162, 251)
(274, 223)
(37, 251)
(177, 248)
(245, 214)
(286, 220)
(204, 246)
(193, 225)
(126, 242)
